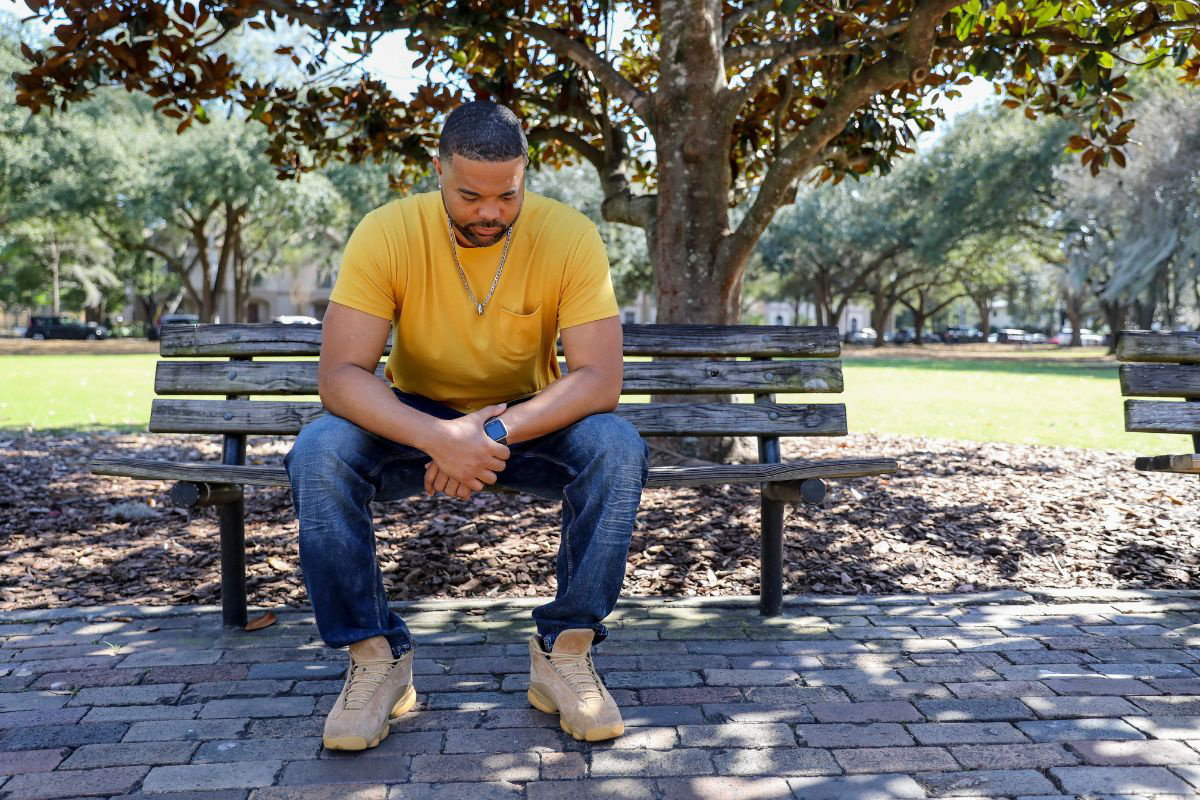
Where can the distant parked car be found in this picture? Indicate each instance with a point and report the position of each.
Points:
(155, 330)
(59, 327)
(957, 334)
(909, 336)
(1087, 338)
(860, 336)
(294, 319)
(1008, 336)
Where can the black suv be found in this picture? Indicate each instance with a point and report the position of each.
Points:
(63, 328)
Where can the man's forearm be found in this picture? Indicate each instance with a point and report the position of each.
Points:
(354, 394)
(571, 398)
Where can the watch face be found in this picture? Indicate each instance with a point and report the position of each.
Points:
(495, 429)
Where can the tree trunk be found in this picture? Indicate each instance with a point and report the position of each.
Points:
(1075, 316)
(55, 278)
(694, 183)
(1114, 316)
(918, 326)
(881, 310)
(984, 306)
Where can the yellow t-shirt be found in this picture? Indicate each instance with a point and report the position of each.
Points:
(397, 265)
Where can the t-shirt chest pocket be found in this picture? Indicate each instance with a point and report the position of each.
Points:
(518, 336)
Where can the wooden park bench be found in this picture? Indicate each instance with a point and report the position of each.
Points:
(700, 368)
(1162, 365)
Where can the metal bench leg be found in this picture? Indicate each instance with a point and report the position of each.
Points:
(770, 559)
(233, 542)
(770, 589)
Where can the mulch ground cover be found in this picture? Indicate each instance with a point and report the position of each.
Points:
(959, 516)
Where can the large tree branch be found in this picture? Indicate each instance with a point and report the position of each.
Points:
(736, 18)
(573, 140)
(605, 73)
(809, 46)
(739, 56)
(558, 42)
(1058, 36)
(801, 153)
(583, 116)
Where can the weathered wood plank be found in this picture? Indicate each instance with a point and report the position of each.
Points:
(651, 419)
(641, 377)
(1155, 416)
(1187, 464)
(1160, 380)
(150, 469)
(1153, 346)
(640, 340)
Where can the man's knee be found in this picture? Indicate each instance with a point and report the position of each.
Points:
(615, 439)
(325, 447)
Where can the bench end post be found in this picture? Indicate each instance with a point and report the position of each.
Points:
(232, 517)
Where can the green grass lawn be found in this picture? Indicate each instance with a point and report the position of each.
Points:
(1027, 402)
(996, 401)
(80, 392)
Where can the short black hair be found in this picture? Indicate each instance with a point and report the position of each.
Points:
(483, 131)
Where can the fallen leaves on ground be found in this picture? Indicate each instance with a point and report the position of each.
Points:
(958, 516)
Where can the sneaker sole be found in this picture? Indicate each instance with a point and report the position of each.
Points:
(542, 702)
(407, 701)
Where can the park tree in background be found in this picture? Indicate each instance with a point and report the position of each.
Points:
(48, 254)
(1130, 240)
(110, 195)
(693, 109)
(951, 221)
(833, 241)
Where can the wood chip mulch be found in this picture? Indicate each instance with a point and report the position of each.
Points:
(959, 516)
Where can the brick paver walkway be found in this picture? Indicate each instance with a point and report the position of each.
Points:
(1047, 694)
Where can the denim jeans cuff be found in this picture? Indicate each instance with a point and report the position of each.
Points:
(600, 630)
(399, 647)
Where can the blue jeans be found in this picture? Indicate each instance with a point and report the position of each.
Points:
(596, 467)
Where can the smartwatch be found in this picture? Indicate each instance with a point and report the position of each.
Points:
(496, 430)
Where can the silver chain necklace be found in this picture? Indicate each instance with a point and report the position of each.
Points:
(504, 255)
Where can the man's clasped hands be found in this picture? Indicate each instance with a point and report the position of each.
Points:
(465, 459)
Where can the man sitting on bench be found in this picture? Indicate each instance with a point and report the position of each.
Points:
(475, 281)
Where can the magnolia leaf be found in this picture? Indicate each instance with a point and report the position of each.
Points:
(264, 620)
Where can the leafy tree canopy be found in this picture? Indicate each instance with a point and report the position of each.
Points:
(691, 109)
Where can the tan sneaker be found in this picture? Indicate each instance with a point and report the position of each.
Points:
(375, 690)
(565, 680)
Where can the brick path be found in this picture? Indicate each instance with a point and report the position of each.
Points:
(1046, 694)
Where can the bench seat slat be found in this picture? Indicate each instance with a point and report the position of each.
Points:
(641, 377)
(150, 469)
(1188, 463)
(651, 419)
(1161, 416)
(1161, 380)
(1153, 346)
(640, 340)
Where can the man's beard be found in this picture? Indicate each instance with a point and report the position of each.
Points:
(478, 239)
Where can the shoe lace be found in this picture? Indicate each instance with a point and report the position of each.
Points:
(365, 678)
(580, 674)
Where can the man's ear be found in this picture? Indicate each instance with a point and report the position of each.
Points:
(437, 167)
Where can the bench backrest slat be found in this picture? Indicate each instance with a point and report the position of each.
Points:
(1160, 380)
(650, 419)
(1150, 416)
(1163, 365)
(641, 377)
(1179, 347)
(640, 340)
